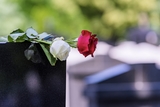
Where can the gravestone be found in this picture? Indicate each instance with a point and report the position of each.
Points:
(27, 84)
(138, 87)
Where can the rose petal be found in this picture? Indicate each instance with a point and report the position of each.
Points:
(87, 43)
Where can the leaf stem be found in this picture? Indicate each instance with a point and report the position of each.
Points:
(43, 41)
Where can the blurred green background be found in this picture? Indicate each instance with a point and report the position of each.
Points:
(109, 19)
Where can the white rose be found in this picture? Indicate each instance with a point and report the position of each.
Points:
(60, 49)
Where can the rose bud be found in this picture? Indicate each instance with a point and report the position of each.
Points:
(60, 49)
(87, 43)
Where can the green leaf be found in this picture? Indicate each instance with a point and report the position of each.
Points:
(31, 33)
(43, 35)
(29, 52)
(17, 31)
(10, 39)
(50, 57)
(72, 42)
(17, 37)
(22, 38)
(3, 39)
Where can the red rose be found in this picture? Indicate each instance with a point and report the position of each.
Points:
(87, 43)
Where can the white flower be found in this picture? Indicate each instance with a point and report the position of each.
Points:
(60, 49)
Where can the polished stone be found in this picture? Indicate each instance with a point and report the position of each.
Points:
(27, 84)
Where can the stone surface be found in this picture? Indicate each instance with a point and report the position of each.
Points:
(27, 84)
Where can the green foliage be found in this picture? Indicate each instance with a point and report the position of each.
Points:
(17, 36)
(108, 18)
(49, 56)
(111, 18)
(32, 36)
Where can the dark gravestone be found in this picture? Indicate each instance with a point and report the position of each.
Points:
(139, 87)
(27, 84)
